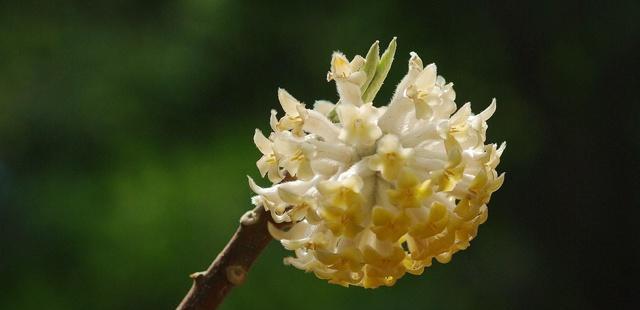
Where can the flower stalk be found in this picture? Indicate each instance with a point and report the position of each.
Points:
(231, 266)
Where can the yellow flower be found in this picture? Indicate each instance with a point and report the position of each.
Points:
(383, 269)
(388, 226)
(415, 267)
(409, 192)
(348, 258)
(390, 158)
(342, 194)
(426, 249)
(342, 206)
(447, 178)
(342, 267)
(434, 224)
(347, 222)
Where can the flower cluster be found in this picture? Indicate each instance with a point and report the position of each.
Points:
(373, 192)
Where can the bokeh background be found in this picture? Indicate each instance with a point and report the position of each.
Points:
(126, 137)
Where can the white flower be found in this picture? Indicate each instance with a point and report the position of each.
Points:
(429, 93)
(378, 191)
(297, 156)
(295, 114)
(359, 124)
(348, 77)
(268, 163)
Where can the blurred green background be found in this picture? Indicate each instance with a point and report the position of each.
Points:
(126, 137)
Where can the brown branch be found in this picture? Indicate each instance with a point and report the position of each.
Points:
(232, 264)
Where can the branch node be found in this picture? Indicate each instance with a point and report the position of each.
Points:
(249, 218)
(197, 275)
(236, 274)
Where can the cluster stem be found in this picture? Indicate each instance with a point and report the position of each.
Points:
(231, 266)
